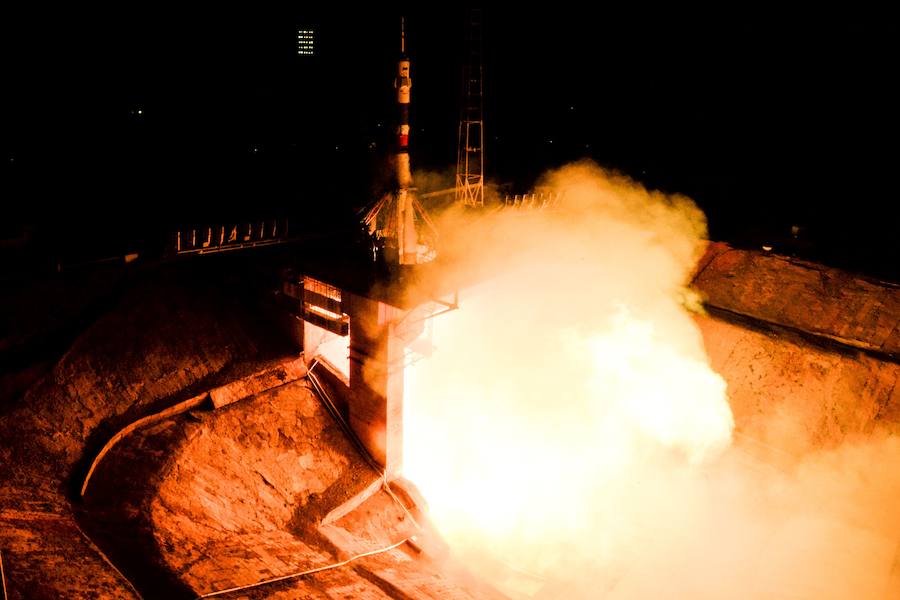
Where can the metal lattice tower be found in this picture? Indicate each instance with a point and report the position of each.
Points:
(470, 149)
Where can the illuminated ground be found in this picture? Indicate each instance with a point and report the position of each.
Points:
(207, 500)
(216, 499)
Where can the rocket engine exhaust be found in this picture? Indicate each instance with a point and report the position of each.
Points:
(573, 441)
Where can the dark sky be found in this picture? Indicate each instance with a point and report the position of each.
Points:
(767, 121)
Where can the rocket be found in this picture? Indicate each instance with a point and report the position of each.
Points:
(398, 219)
(407, 239)
(403, 85)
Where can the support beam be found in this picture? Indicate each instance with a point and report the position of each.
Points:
(376, 380)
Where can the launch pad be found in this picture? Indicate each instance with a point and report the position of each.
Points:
(233, 426)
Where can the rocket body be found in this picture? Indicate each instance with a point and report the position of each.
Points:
(407, 239)
(403, 83)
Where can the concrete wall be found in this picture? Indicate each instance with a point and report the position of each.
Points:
(376, 380)
(806, 349)
(812, 395)
(809, 297)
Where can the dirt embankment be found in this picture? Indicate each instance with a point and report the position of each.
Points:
(818, 346)
(157, 340)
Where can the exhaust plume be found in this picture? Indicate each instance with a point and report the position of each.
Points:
(573, 442)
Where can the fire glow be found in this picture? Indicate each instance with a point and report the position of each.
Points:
(570, 436)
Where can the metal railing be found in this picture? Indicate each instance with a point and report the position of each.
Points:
(233, 236)
(532, 201)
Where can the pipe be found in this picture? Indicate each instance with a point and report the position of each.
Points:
(3, 577)
(304, 573)
(219, 396)
(148, 420)
(348, 431)
(197, 400)
(320, 391)
(106, 559)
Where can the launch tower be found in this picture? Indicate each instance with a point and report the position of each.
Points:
(470, 148)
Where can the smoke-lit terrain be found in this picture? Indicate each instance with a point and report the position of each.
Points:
(452, 302)
(573, 441)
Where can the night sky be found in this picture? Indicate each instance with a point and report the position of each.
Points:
(140, 118)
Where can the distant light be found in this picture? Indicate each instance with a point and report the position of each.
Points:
(140, 112)
(767, 248)
(306, 42)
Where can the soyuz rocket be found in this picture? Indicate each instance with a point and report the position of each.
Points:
(407, 239)
(398, 220)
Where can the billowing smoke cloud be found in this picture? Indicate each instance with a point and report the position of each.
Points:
(432, 180)
(573, 442)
